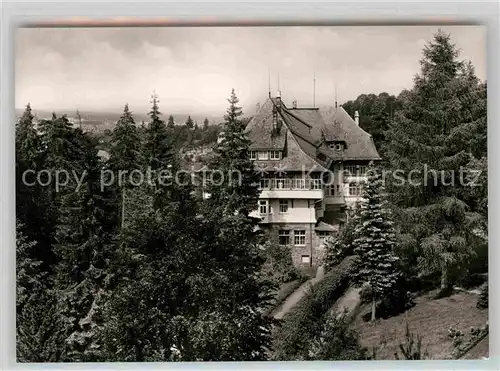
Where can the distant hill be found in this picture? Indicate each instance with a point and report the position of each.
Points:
(97, 117)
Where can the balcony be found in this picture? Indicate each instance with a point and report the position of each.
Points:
(291, 188)
(327, 205)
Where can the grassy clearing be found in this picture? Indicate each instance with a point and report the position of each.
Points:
(430, 318)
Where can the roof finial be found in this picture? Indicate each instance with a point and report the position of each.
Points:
(279, 91)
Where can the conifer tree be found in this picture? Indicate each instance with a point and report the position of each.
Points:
(36, 338)
(28, 196)
(125, 155)
(439, 130)
(239, 191)
(375, 239)
(189, 123)
(205, 124)
(232, 245)
(170, 122)
(84, 249)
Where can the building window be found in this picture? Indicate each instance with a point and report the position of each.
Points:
(315, 183)
(275, 155)
(284, 237)
(264, 183)
(339, 147)
(300, 183)
(356, 170)
(264, 207)
(299, 238)
(263, 155)
(253, 155)
(355, 189)
(283, 206)
(305, 259)
(350, 170)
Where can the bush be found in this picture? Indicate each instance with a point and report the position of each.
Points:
(279, 267)
(411, 348)
(482, 301)
(336, 342)
(292, 338)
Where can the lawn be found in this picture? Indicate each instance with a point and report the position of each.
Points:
(430, 318)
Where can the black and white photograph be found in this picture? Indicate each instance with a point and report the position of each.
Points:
(251, 193)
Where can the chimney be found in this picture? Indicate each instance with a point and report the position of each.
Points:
(294, 103)
(356, 117)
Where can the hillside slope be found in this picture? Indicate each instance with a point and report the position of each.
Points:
(431, 319)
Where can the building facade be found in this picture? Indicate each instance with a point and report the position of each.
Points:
(312, 164)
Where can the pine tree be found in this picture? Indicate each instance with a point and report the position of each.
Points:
(205, 124)
(36, 338)
(28, 196)
(84, 249)
(375, 239)
(239, 192)
(440, 129)
(125, 156)
(189, 123)
(160, 155)
(170, 122)
(232, 258)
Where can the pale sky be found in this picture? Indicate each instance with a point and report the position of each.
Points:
(192, 69)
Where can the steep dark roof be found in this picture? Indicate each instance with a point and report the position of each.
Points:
(359, 144)
(260, 129)
(303, 134)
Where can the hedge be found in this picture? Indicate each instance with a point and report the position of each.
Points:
(303, 323)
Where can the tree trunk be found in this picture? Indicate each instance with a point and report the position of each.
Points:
(444, 278)
(374, 307)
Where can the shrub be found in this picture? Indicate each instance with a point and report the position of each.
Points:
(463, 343)
(279, 267)
(303, 323)
(411, 348)
(482, 301)
(336, 342)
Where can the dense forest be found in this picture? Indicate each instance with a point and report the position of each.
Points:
(154, 272)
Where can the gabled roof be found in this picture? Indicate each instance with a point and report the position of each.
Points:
(359, 144)
(304, 134)
(260, 129)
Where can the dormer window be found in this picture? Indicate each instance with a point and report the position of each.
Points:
(263, 155)
(336, 146)
(275, 155)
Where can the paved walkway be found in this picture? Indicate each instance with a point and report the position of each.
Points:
(349, 301)
(294, 298)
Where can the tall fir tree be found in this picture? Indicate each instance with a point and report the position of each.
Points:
(189, 123)
(160, 156)
(239, 294)
(374, 240)
(171, 122)
(239, 192)
(205, 124)
(439, 130)
(36, 338)
(125, 156)
(84, 249)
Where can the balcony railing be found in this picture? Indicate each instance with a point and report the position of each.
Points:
(290, 184)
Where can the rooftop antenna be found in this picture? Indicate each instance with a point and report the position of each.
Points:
(314, 89)
(336, 95)
(269, 81)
